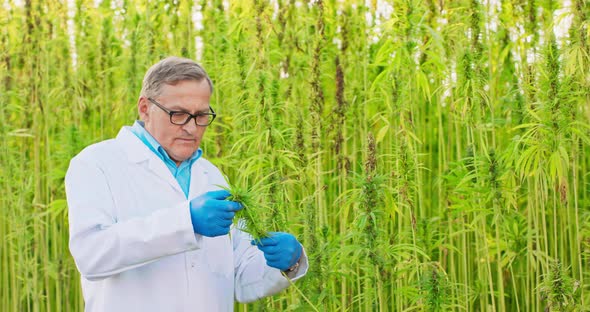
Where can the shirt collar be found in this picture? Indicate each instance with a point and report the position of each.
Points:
(138, 129)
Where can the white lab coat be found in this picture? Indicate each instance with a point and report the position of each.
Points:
(132, 238)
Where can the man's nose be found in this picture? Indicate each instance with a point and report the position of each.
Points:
(191, 126)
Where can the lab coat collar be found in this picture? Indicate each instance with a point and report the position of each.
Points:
(136, 150)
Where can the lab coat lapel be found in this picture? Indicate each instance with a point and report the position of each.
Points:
(199, 179)
(138, 153)
(157, 166)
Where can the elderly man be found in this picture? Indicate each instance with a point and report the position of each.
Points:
(149, 228)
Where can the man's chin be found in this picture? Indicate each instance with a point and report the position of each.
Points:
(184, 155)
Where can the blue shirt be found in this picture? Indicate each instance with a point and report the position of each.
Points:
(181, 173)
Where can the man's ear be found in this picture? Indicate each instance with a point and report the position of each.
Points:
(143, 108)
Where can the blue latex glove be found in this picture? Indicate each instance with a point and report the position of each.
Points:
(211, 214)
(281, 250)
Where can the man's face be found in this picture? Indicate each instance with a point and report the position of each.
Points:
(180, 142)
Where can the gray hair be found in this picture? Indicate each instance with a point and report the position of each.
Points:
(171, 70)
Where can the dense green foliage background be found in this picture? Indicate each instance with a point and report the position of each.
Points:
(430, 155)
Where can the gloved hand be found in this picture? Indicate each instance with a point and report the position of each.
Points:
(281, 250)
(211, 215)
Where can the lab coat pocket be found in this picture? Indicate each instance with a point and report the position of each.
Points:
(219, 255)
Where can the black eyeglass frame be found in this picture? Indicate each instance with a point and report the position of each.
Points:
(191, 116)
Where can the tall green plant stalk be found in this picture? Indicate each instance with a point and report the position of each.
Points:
(371, 211)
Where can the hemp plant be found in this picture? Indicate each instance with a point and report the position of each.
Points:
(558, 289)
(250, 218)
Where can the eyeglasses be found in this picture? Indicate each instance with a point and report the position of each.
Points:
(182, 118)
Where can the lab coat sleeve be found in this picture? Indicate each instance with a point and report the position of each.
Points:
(254, 279)
(101, 245)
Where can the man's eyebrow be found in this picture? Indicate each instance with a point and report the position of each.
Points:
(180, 109)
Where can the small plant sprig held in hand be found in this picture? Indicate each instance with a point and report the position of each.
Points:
(251, 214)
